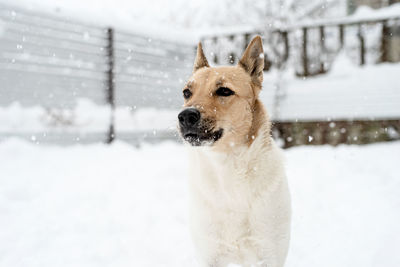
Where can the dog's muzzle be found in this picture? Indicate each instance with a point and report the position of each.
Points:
(194, 130)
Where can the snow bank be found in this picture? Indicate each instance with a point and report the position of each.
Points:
(85, 117)
(116, 205)
(346, 92)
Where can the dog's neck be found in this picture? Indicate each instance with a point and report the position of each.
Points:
(261, 126)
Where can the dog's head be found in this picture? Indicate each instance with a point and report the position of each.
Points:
(220, 102)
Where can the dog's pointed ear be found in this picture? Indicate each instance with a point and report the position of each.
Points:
(201, 60)
(253, 60)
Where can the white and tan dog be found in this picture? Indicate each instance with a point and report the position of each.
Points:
(240, 203)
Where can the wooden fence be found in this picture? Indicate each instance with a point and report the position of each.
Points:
(50, 62)
(335, 132)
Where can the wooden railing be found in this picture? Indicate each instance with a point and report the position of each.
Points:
(312, 48)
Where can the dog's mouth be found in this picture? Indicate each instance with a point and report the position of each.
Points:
(199, 138)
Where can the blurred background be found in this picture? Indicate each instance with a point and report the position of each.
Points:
(79, 74)
(89, 71)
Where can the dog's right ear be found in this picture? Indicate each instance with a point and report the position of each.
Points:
(201, 60)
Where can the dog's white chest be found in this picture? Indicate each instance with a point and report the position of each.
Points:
(220, 209)
(221, 183)
(238, 207)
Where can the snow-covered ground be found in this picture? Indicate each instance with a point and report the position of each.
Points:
(117, 205)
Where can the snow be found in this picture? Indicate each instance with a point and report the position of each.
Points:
(146, 119)
(346, 92)
(117, 205)
(85, 117)
(16, 118)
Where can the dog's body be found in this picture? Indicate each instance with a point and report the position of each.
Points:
(240, 204)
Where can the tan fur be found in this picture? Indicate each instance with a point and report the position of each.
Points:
(240, 204)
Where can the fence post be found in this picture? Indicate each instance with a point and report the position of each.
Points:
(384, 42)
(304, 54)
(286, 45)
(246, 40)
(341, 35)
(110, 83)
(322, 45)
(215, 40)
(362, 45)
(232, 55)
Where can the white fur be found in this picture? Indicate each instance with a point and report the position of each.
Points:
(240, 205)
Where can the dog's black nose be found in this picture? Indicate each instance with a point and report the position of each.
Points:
(189, 117)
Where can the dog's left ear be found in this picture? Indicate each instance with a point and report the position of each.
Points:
(201, 60)
(253, 60)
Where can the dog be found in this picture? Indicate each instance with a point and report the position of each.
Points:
(239, 196)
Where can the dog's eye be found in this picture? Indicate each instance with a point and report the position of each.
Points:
(223, 91)
(187, 94)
